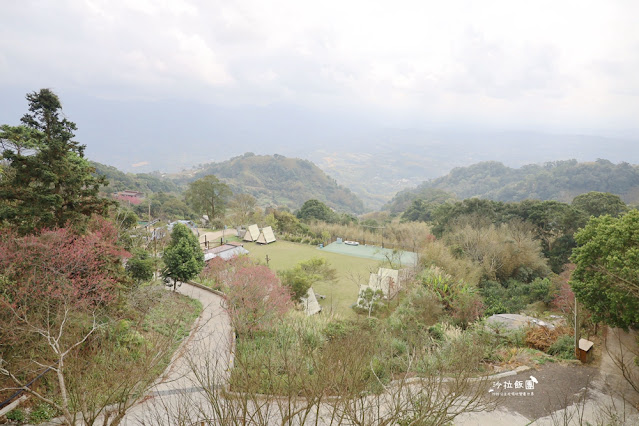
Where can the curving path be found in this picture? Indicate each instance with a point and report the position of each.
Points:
(209, 348)
(210, 344)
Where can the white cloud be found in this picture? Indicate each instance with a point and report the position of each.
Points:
(524, 62)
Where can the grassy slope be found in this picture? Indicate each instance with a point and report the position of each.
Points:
(341, 294)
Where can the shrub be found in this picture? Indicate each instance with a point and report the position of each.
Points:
(337, 329)
(16, 415)
(399, 347)
(41, 413)
(564, 347)
(436, 332)
(466, 306)
(541, 290)
(513, 296)
(420, 309)
(542, 338)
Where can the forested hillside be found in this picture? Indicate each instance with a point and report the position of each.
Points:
(278, 180)
(143, 182)
(559, 180)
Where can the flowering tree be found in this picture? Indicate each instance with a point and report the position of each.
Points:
(53, 288)
(59, 266)
(221, 271)
(256, 299)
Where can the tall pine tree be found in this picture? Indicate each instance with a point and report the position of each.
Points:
(54, 186)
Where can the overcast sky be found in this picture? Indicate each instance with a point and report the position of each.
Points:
(562, 66)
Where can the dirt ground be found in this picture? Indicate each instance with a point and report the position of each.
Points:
(565, 389)
(558, 386)
(213, 238)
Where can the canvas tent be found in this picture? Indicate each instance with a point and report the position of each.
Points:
(252, 233)
(310, 303)
(266, 236)
(386, 280)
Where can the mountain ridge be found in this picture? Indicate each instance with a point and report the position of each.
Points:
(557, 180)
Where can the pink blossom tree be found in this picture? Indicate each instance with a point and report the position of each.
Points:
(256, 300)
(53, 287)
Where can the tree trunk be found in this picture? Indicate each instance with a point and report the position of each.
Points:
(63, 392)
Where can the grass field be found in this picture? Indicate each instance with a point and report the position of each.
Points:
(341, 294)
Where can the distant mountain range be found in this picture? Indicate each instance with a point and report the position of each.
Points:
(559, 180)
(276, 180)
(381, 164)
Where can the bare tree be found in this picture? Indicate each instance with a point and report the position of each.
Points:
(338, 392)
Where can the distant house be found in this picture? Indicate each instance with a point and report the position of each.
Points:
(252, 233)
(266, 236)
(310, 303)
(133, 197)
(225, 251)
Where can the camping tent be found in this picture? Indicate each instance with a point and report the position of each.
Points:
(310, 303)
(386, 280)
(266, 236)
(252, 233)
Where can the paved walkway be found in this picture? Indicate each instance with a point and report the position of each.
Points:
(208, 352)
(209, 344)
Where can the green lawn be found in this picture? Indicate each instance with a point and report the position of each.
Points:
(341, 294)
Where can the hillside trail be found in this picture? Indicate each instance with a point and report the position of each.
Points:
(210, 343)
(563, 390)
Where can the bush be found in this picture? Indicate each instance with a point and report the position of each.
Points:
(41, 413)
(399, 347)
(541, 290)
(436, 332)
(16, 415)
(564, 347)
(517, 338)
(418, 310)
(337, 329)
(542, 338)
(513, 296)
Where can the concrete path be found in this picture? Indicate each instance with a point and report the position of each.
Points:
(208, 351)
(209, 345)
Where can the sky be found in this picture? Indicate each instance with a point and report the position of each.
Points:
(342, 67)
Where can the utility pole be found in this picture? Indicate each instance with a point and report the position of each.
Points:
(576, 331)
(375, 227)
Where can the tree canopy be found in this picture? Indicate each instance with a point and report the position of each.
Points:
(606, 277)
(183, 258)
(600, 203)
(316, 210)
(53, 186)
(208, 196)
